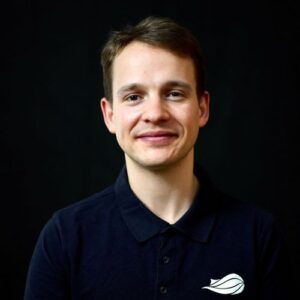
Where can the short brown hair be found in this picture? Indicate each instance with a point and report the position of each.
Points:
(155, 31)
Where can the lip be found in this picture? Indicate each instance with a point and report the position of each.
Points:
(157, 137)
(154, 134)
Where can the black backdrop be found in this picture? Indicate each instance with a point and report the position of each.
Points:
(56, 150)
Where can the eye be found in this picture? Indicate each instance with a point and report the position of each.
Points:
(132, 98)
(175, 95)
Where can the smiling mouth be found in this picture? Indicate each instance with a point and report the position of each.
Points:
(159, 138)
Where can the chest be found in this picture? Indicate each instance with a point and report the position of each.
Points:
(173, 267)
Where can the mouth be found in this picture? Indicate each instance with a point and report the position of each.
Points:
(157, 137)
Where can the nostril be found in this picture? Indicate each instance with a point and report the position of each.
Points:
(155, 113)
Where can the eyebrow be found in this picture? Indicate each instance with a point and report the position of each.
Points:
(178, 83)
(130, 87)
(172, 83)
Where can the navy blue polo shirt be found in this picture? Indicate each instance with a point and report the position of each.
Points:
(110, 246)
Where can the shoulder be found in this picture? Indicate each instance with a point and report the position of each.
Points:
(249, 226)
(71, 227)
(89, 204)
(238, 207)
(88, 211)
(231, 210)
(245, 215)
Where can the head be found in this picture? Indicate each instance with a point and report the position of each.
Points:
(163, 33)
(155, 101)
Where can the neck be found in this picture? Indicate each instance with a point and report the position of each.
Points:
(167, 192)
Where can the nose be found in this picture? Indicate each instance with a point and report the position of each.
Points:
(156, 110)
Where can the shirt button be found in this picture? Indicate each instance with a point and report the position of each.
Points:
(163, 289)
(166, 259)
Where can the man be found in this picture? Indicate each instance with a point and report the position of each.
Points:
(162, 231)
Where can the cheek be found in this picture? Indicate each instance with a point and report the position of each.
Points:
(191, 124)
(125, 121)
(188, 116)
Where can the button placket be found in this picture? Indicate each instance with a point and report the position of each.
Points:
(166, 266)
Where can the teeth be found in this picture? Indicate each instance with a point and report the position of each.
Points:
(231, 284)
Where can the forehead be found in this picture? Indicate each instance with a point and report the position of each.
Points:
(142, 63)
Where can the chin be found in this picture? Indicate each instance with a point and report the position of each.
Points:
(156, 165)
(158, 161)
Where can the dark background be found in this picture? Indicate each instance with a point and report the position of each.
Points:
(56, 149)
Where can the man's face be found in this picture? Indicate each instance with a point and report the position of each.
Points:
(156, 113)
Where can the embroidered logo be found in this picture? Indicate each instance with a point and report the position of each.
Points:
(231, 284)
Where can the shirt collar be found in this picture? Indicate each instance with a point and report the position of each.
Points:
(197, 222)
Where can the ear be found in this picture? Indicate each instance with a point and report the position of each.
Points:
(204, 102)
(108, 114)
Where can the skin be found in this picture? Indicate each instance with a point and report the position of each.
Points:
(156, 115)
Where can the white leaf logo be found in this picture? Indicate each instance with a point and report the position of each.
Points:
(231, 284)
